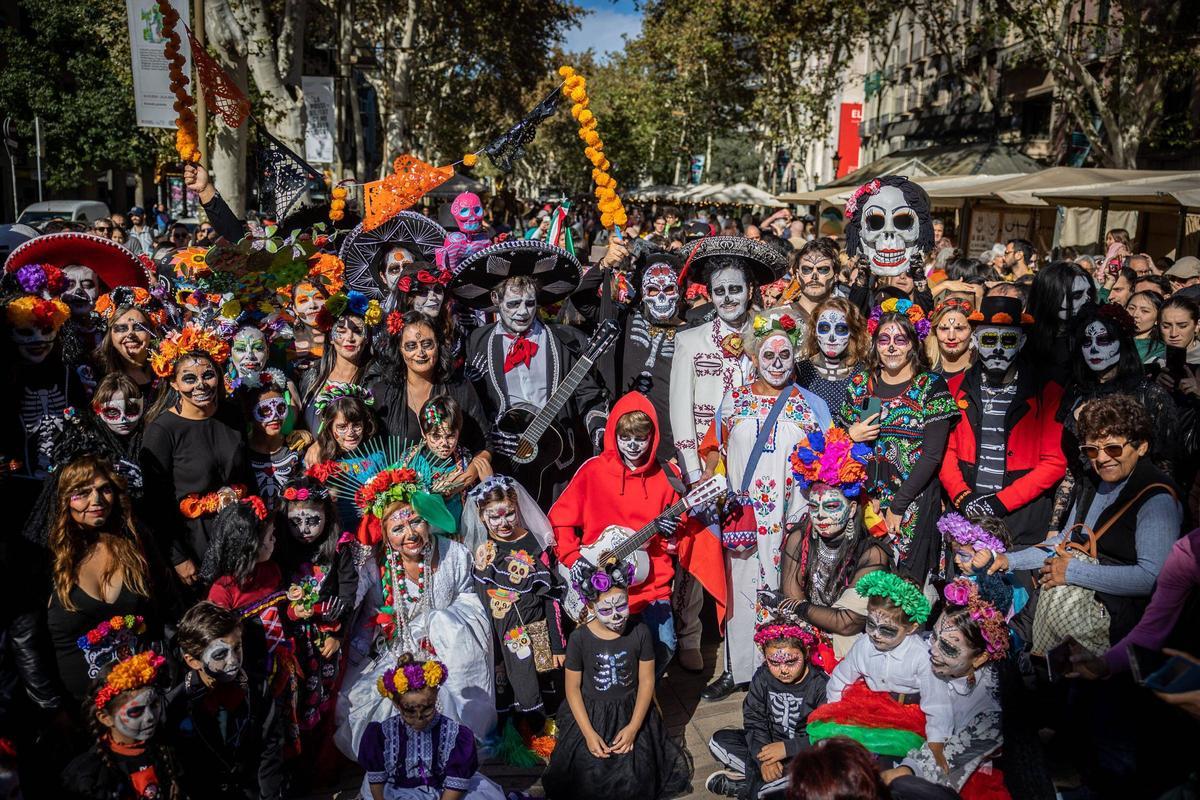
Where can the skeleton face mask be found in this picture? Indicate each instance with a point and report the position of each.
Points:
(1073, 301)
(397, 259)
(890, 229)
(730, 295)
(612, 609)
(660, 293)
(777, 360)
(500, 518)
(222, 658)
(1100, 348)
(306, 521)
(82, 287)
(120, 413)
(830, 511)
(428, 298)
(34, 344)
(249, 351)
(634, 450)
(137, 716)
(307, 304)
(467, 209)
(833, 333)
(998, 347)
(518, 308)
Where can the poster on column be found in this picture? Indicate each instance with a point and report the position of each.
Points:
(320, 122)
(151, 79)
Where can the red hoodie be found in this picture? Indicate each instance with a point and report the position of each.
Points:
(606, 492)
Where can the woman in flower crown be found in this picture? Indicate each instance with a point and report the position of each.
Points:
(133, 318)
(347, 318)
(416, 594)
(755, 430)
(908, 433)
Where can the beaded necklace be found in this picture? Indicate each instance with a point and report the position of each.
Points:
(395, 587)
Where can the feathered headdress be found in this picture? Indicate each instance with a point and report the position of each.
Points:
(833, 459)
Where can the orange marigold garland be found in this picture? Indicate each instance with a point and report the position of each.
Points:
(337, 205)
(132, 673)
(192, 339)
(612, 210)
(186, 139)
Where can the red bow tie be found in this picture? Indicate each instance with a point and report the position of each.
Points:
(521, 351)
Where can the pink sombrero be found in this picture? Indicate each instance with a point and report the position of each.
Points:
(114, 265)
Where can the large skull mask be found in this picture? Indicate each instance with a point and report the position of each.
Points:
(467, 209)
(890, 231)
(660, 293)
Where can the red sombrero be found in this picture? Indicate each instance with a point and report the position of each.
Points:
(114, 265)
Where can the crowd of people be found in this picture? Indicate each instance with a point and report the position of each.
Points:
(386, 493)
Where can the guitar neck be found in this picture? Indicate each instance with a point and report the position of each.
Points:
(635, 542)
(558, 399)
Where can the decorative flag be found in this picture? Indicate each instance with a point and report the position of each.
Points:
(221, 94)
(285, 172)
(509, 147)
(411, 178)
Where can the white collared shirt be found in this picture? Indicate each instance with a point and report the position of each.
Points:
(527, 384)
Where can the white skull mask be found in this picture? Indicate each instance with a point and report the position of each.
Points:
(890, 230)
(1073, 301)
(998, 346)
(120, 413)
(81, 288)
(730, 294)
(34, 344)
(833, 333)
(249, 351)
(660, 293)
(1100, 348)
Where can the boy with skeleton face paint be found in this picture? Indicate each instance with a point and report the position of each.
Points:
(1005, 457)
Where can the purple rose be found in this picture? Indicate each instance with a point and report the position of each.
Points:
(601, 582)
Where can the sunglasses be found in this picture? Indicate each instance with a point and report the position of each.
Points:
(1092, 452)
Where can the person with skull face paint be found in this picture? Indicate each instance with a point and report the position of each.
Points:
(132, 317)
(1004, 458)
(1059, 294)
(756, 428)
(125, 713)
(222, 718)
(346, 318)
(273, 459)
(835, 344)
(422, 287)
(118, 422)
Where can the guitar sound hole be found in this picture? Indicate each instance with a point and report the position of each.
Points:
(524, 450)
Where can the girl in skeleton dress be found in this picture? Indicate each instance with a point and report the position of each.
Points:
(612, 743)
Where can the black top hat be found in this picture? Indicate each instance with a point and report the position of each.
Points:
(1000, 311)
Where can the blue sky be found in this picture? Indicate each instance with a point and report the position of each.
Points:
(604, 25)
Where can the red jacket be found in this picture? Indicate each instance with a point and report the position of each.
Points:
(606, 492)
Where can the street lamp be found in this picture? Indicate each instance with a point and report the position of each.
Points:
(837, 161)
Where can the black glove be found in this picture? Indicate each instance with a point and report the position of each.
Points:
(503, 443)
(578, 569)
(667, 526)
(983, 505)
(642, 384)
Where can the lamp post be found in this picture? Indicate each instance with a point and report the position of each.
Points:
(837, 162)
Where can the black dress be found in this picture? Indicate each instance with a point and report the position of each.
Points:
(76, 667)
(107, 772)
(391, 404)
(655, 768)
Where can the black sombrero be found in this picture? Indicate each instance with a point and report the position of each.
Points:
(361, 248)
(765, 263)
(556, 270)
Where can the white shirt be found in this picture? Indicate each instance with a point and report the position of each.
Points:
(528, 384)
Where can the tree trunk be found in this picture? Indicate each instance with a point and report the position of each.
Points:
(396, 132)
(228, 157)
(283, 102)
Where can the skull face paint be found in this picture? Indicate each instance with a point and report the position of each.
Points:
(407, 532)
(394, 263)
(890, 231)
(612, 609)
(307, 303)
(428, 298)
(998, 347)
(830, 511)
(634, 450)
(785, 662)
(950, 654)
(894, 346)
(249, 351)
(500, 518)
(222, 658)
(81, 288)
(730, 294)
(1073, 301)
(306, 520)
(833, 333)
(138, 713)
(120, 413)
(467, 209)
(33, 344)
(518, 308)
(884, 629)
(1101, 350)
(777, 360)
(660, 293)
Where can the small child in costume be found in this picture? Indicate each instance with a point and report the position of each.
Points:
(128, 759)
(785, 689)
(883, 694)
(612, 743)
(447, 461)
(419, 754)
(975, 542)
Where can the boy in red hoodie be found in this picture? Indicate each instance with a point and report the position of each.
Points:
(626, 485)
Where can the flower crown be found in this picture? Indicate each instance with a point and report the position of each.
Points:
(411, 677)
(132, 673)
(963, 531)
(908, 308)
(387, 487)
(441, 277)
(299, 494)
(1118, 316)
(866, 190)
(486, 485)
(352, 302)
(595, 581)
(191, 340)
(766, 634)
(31, 311)
(785, 324)
(831, 458)
(130, 297)
(130, 624)
(41, 279)
(908, 597)
(992, 623)
(958, 304)
(337, 391)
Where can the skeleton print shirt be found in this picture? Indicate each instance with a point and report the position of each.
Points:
(774, 711)
(609, 666)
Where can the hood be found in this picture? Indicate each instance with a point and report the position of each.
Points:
(634, 401)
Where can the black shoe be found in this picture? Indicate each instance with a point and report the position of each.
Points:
(725, 784)
(719, 689)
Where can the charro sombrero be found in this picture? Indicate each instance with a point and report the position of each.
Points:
(408, 229)
(556, 270)
(112, 263)
(765, 263)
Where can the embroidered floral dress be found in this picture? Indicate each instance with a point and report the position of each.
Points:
(420, 765)
(771, 491)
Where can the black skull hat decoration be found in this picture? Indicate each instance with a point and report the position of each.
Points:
(888, 223)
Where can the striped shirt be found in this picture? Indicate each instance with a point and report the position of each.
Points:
(989, 476)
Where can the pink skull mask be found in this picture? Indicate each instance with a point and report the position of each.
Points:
(468, 212)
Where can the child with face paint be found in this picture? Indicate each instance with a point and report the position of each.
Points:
(225, 711)
(612, 744)
(447, 762)
(883, 694)
(447, 462)
(125, 711)
(788, 687)
(273, 459)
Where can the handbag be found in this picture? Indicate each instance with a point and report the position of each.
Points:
(1073, 611)
(739, 525)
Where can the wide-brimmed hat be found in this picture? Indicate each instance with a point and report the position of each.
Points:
(1000, 311)
(408, 229)
(112, 263)
(765, 263)
(556, 270)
